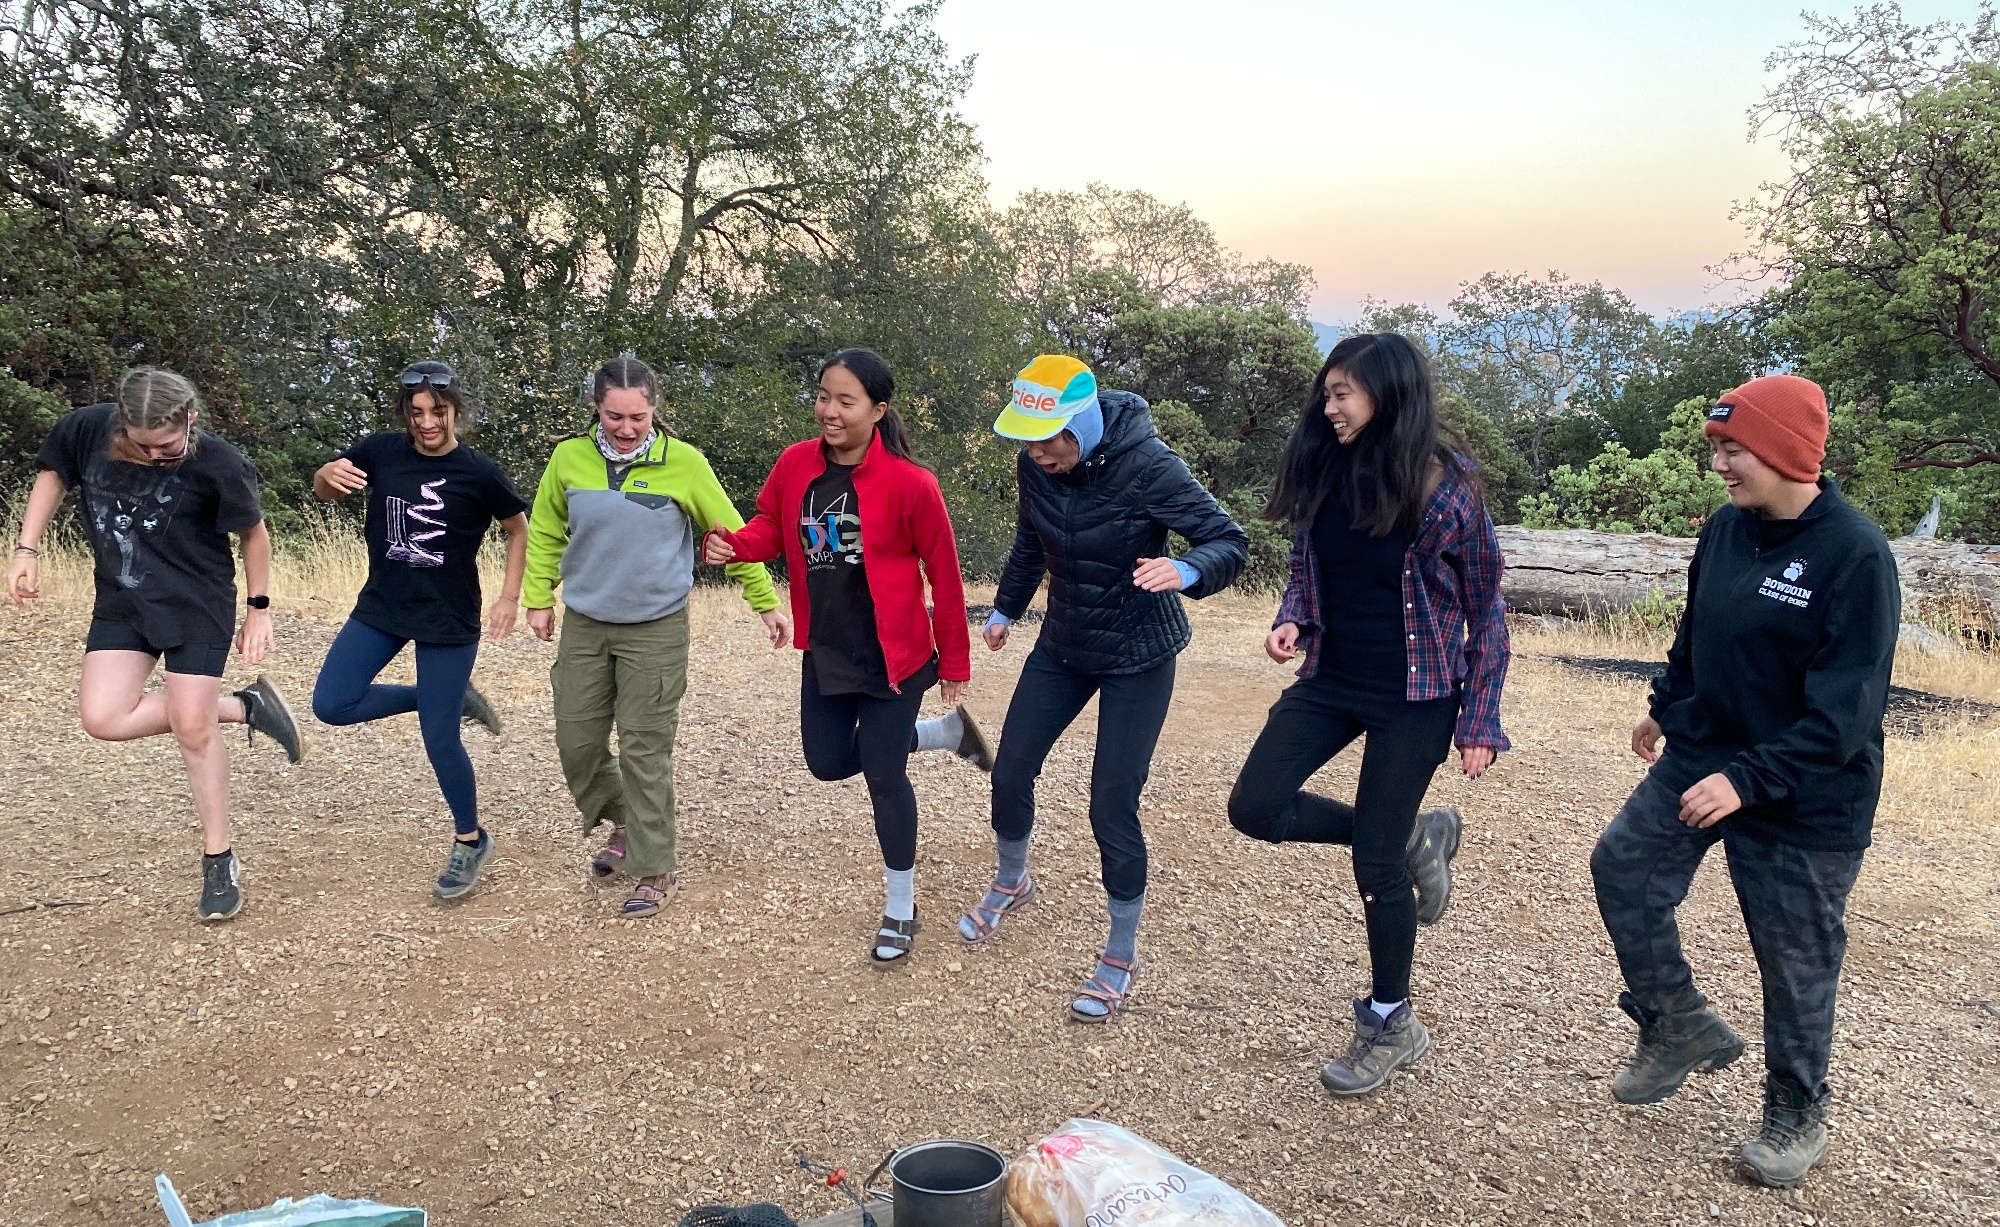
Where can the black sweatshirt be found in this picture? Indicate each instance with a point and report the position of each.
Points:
(1780, 673)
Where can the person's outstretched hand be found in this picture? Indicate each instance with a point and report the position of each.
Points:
(715, 551)
(995, 635)
(24, 578)
(500, 618)
(543, 623)
(1710, 801)
(253, 638)
(952, 692)
(1282, 644)
(1474, 760)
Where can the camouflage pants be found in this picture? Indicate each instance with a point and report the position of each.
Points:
(1794, 903)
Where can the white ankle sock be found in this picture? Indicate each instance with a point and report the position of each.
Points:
(902, 903)
(943, 733)
(1383, 1011)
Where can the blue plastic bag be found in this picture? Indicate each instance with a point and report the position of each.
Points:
(319, 1210)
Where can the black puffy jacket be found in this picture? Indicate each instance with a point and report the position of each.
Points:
(1089, 527)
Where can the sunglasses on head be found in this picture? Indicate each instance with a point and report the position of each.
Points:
(432, 374)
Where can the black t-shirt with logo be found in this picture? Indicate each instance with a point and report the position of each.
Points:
(845, 648)
(427, 516)
(160, 533)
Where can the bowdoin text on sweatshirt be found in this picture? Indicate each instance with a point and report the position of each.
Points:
(1780, 673)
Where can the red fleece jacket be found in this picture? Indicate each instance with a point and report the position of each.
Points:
(906, 534)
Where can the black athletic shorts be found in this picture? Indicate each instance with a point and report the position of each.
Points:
(197, 659)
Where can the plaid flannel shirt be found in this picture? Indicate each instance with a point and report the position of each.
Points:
(1454, 621)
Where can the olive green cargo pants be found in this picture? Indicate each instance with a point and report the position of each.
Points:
(631, 676)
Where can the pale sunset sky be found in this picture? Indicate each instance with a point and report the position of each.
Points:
(1401, 148)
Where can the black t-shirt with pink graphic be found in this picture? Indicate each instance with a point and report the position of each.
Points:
(427, 516)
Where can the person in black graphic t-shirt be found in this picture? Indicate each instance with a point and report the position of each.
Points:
(159, 500)
(431, 500)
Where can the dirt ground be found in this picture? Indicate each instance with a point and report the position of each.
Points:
(524, 1058)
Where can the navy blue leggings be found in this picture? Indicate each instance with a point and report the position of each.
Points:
(347, 693)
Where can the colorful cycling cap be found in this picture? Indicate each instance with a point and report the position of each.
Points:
(1047, 393)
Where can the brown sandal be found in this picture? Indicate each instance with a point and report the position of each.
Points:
(1095, 989)
(649, 896)
(611, 857)
(897, 935)
(1018, 897)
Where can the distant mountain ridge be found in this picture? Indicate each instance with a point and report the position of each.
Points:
(1325, 334)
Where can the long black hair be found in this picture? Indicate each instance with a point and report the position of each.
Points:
(1389, 463)
(879, 382)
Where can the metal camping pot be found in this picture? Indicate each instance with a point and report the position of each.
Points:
(946, 1182)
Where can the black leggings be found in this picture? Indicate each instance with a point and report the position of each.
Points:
(1310, 723)
(856, 734)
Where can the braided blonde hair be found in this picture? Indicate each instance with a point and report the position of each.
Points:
(149, 398)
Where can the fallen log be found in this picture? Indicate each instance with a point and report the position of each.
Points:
(1575, 573)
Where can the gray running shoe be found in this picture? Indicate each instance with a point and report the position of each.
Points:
(1380, 1047)
(461, 871)
(221, 892)
(265, 711)
(1792, 1141)
(1432, 845)
(1672, 1046)
(476, 709)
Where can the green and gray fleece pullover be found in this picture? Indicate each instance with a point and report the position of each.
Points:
(621, 539)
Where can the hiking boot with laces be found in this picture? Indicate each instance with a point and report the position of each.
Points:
(461, 870)
(265, 711)
(221, 892)
(1432, 845)
(475, 709)
(1380, 1047)
(1672, 1046)
(1792, 1141)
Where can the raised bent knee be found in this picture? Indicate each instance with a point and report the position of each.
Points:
(1255, 816)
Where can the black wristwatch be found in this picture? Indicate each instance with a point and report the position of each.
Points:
(257, 602)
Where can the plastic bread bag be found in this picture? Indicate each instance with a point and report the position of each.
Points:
(319, 1210)
(1092, 1174)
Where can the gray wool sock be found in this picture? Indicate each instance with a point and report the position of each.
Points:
(1013, 860)
(1123, 944)
(943, 733)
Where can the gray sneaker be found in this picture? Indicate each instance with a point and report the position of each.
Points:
(1432, 845)
(1672, 1046)
(221, 889)
(265, 711)
(1380, 1047)
(1792, 1141)
(461, 871)
(476, 709)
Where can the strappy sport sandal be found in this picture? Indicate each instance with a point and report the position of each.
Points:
(898, 935)
(649, 896)
(1097, 990)
(1018, 897)
(611, 857)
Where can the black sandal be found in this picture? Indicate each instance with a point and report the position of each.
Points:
(897, 935)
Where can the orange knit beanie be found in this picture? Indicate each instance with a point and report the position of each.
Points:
(1780, 418)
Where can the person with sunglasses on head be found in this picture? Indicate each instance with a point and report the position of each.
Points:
(159, 498)
(431, 500)
(615, 526)
(1394, 603)
(1771, 704)
(1099, 493)
(861, 526)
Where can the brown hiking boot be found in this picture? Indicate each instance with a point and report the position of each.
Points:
(1672, 1046)
(1792, 1141)
(1380, 1047)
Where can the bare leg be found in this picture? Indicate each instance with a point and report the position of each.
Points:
(191, 701)
(116, 706)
